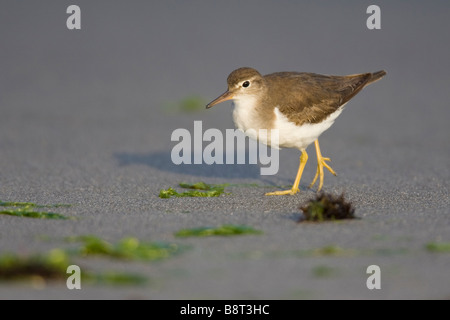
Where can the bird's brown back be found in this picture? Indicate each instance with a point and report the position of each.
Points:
(311, 97)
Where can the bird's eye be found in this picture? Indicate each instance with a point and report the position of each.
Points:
(246, 84)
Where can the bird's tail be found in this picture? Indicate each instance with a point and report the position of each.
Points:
(377, 76)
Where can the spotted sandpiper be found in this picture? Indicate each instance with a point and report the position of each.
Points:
(300, 105)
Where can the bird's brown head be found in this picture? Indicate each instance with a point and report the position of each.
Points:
(242, 82)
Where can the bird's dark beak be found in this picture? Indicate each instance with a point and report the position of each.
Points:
(227, 95)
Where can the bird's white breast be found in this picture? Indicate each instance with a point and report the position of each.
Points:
(244, 113)
(246, 117)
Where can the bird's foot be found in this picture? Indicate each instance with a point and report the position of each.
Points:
(294, 189)
(283, 192)
(321, 162)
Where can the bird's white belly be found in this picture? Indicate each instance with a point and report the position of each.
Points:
(289, 135)
(299, 137)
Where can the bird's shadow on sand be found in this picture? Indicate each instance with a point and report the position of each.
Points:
(162, 161)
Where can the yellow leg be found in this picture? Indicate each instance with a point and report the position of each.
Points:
(295, 189)
(320, 164)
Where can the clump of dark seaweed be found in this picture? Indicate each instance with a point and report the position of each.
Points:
(326, 206)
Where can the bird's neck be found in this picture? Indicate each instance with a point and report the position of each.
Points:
(244, 113)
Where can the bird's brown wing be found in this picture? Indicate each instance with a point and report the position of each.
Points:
(310, 97)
